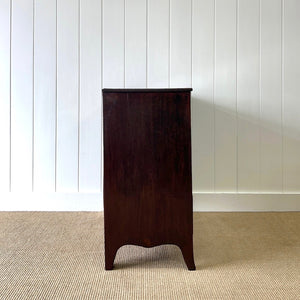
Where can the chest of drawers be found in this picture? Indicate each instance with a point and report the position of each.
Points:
(147, 170)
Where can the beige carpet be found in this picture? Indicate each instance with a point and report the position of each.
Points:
(238, 256)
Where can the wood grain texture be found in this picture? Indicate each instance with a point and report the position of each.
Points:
(147, 171)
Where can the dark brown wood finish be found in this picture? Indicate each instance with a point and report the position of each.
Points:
(147, 170)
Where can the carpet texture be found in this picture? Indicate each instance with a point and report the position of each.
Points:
(55, 255)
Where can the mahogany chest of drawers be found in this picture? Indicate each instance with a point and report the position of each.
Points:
(147, 170)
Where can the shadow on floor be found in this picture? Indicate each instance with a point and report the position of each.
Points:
(223, 239)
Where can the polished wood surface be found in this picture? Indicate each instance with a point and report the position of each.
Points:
(147, 170)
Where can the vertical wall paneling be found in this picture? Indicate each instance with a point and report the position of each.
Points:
(67, 95)
(180, 43)
(240, 57)
(270, 136)
(44, 94)
(158, 43)
(21, 95)
(291, 94)
(5, 94)
(248, 95)
(202, 96)
(90, 96)
(225, 97)
(135, 43)
(113, 43)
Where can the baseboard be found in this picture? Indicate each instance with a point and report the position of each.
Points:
(202, 202)
(51, 202)
(246, 202)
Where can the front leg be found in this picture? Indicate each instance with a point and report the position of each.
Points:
(110, 254)
(188, 255)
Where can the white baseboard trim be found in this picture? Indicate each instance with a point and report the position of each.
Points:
(51, 202)
(246, 202)
(202, 202)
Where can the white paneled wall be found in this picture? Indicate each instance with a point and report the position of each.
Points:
(225, 96)
(240, 57)
(271, 96)
(248, 95)
(203, 117)
(135, 43)
(21, 100)
(68, 91)
(5, 93)
(44, 146)
(158, 43)
(180, 43)
(113, 43)
(291, 96)
(89, 160)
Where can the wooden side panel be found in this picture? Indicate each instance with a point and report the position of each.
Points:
(147, 171)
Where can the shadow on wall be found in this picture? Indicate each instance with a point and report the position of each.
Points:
(244, 151)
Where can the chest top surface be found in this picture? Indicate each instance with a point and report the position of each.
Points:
(147, 90)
